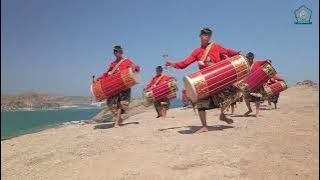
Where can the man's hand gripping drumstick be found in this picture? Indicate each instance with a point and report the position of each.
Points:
(168, 64)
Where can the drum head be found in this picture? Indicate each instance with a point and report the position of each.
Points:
(267, 90)
(172, 96)
(146, 100)
(190, 89)
(284, 85)
(134, 75)
(246, 61)
(269, 69)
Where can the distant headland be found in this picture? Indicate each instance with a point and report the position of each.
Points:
(34, 101)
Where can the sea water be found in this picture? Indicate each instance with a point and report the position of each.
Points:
(23, 122)
(17, 123)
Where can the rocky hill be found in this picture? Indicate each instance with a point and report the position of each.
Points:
(137, 106)
(32, 100)
(307, 83)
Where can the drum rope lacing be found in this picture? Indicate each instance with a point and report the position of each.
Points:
(164, 91)
(115, 86)
(246, 69)
(260, 76)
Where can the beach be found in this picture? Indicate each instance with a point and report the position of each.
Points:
(280, 144)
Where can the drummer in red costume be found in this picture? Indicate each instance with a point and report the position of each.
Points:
(160, 78)
(274, 99)
(254, 96)
(119, 103)
(213, 56)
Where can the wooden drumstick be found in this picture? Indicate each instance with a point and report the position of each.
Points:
(165, 56)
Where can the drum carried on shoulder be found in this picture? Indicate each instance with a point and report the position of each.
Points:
(275, 88)
(114, 84)
(166, 90)
(257, 78)
(215, 78)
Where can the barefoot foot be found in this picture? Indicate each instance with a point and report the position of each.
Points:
(225, 119)
(248, 112)
(201, 130)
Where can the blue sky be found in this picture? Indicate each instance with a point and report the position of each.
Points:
(55, 46)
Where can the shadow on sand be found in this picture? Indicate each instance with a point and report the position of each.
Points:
(267, 109)
(193, 129)
(110, 125)
(165, 129)
(242, 115)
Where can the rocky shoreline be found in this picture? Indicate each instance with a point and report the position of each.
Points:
(38, 109)
(137, 106)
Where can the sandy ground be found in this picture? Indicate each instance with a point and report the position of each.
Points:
(281, 144)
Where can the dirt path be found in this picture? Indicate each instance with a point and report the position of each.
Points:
(281, 144)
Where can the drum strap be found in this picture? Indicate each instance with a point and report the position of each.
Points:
(252, 66)
(158, 80)
(204, 57)
(116, 66)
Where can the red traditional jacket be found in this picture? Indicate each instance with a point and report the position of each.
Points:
(223, 56)
(164, 78)
(274, 79)
(127, 63)
(257, 64)
(214, 56)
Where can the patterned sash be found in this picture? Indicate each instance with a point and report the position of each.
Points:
(252, 65)
(158, 80)
(117, 66)
(204, 57)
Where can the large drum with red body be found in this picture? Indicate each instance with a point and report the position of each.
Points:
(275, 88)
(215, 78)
(165, 90)
(257, 78)
(114, 84)
(172, 96)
